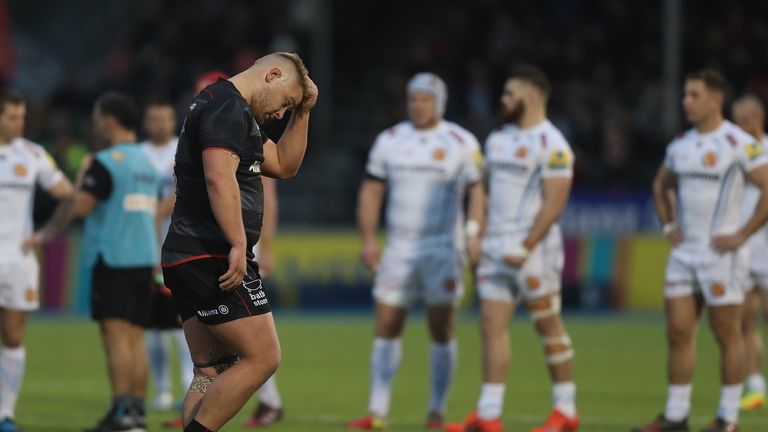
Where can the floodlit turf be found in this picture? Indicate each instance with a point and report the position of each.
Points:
(324, 376)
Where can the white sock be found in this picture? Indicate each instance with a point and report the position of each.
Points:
(491, 401)
(385, 359)
(12, 362)
(269, 395)
(678, 402)
(564, 398)
(730, 396)
(756, 383)
(187, 368)
(159, 350)
(442, 359)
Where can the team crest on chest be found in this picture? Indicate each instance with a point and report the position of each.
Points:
(438, 154)
(20, 170)
(522, 152)
(710, 159)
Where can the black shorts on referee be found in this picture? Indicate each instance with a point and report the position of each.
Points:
(123, 293)
(196, 292)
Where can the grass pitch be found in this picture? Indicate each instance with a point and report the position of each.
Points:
(619, 371)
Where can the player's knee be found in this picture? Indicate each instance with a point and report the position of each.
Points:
(492, 326)
(727, 333)
(12, 342)
(749, 324)
(441, 334)
(558, 349)
(388, 328)
(680, 334)
(12, 338)
(271, 362)
(265, 361)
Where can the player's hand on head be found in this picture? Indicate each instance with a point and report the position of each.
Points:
(675, 237)
(310, 95)
(370, 255)
(728, 243)
(236, 271)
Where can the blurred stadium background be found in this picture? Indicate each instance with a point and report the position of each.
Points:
(616, 68)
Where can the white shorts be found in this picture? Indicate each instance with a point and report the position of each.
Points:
(721, 279)
(405, 278)
(19, 283)
(538, 277)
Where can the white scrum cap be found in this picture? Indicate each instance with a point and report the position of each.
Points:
(432, 84)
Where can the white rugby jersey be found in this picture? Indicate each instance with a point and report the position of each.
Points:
(711, 176)
(751, 195)
(517, 160)
(427, 173)
(22, 164)
(163, 159)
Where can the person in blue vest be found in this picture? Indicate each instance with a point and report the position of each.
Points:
(117, 194)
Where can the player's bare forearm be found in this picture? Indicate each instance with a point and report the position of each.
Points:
(369, 204)
(269, 223)
(556, 191)
(219, 168)
(663, 193)
(476, 210)
(283, 160)
(62, 216)
(225, 203)
(292, 145)
(759, 177)
(165, 206)
(62, 190)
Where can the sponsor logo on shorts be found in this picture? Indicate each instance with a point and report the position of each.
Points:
(718, 289)
(223, 309)
(533, 282)
(205, 313)
(31, 295)
(255, 292)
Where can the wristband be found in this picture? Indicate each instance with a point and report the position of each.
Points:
(472, 228)
(520, 251)
(668, 228)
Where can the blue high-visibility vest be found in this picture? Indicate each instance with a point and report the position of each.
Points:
(121, 229)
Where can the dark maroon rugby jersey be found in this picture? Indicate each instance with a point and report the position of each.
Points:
(218, 118)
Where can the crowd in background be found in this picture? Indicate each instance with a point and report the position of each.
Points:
(604, 59)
